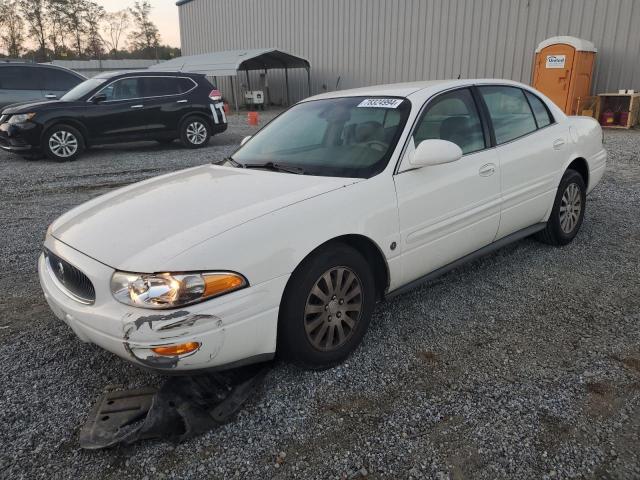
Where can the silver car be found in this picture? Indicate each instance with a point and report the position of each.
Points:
(24, 82)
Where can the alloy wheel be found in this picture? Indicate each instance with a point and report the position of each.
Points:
(63, 144)
(333, 308)
(570, 208)
(196, 133)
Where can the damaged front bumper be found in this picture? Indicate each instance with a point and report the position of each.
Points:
(232, 330)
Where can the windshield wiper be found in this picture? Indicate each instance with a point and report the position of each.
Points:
(275, 166)
(228, 160)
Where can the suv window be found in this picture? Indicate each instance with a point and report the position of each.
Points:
(19, 78)
(510, 112)
(540, 111)
(454, 117)
(185, 84)
(59, 80)
(159, 86)
(124, 89)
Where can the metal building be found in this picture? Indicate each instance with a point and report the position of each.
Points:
(353, 43)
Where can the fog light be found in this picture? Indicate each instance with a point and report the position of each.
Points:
(173, 350)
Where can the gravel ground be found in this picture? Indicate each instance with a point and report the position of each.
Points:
(524, 364)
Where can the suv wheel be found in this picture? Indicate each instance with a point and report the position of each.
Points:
(326, 308)
(62, 143)
(195, 132)
(568, 211)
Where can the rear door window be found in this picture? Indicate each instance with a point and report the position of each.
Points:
(59, 80)
(19, 78)
(454, 117)
(509, 111)
(540, 111)
(159, 86)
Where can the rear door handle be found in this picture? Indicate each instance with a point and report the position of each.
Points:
(558, 143)
(182, 101)
(487, 170)
(136, 106)
(50, 96)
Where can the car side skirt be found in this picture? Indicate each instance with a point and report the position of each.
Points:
(492, 247)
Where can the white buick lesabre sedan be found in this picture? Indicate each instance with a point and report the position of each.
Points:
(344, 199)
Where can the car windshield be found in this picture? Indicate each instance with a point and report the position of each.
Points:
(340, 137)
(80, 90)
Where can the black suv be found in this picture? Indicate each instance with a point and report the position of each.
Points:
(116, 107)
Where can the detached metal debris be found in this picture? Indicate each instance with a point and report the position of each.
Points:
(181, 408)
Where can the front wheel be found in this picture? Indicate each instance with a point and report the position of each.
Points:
(195, 132)
(62, 143)
(326, 308)
(568, 211)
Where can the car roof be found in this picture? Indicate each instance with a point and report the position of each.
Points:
(146, 73)
(407, 89)
(422, 91)
(40, 65)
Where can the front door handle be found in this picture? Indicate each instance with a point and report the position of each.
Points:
(487, 170)
(136, 106)
(182, 101)
(50, 96)
(558, 143)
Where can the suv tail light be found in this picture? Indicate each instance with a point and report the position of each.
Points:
(215, 95)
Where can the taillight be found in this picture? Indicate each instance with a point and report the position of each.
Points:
(215, 95)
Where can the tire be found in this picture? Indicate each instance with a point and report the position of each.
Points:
(62, 143)
(561, 230)
(309, 317)
(195, 132)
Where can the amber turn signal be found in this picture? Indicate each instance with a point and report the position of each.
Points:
(173, 350)
(218, 283)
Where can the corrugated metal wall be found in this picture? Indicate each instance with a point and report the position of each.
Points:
(367, 42)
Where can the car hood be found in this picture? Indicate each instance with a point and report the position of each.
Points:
(140, 227)
(34, 106)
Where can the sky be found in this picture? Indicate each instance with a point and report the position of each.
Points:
(164, 14)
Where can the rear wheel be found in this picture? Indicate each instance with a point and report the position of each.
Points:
(195, 132)
(568, 211)
(326, 308)
(62, 143)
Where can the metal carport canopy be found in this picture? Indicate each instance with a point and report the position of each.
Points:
(227, 63)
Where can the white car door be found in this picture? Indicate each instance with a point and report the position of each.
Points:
(531, 149)
(450, 210)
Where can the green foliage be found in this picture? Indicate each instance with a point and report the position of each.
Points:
(79, 29)
(11, 28)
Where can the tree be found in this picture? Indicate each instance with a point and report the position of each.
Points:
(34, 13)
(93, 16)
(57, 26)
(145, 37)
(74, 20)
(116, 25)
(12, 28)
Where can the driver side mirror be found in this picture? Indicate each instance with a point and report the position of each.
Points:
(434, 151)
(245, 140)
(100, 97)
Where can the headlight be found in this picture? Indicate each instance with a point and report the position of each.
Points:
(21, 118)
(170, 290)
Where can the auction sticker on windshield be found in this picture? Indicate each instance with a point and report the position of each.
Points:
(381, 102)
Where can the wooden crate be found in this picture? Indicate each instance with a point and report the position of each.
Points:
(587, 106)
(619, 102)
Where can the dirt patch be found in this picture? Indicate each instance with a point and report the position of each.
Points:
(632, 362)
(427, 356)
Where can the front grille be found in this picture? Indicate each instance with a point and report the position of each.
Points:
(71, 280)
